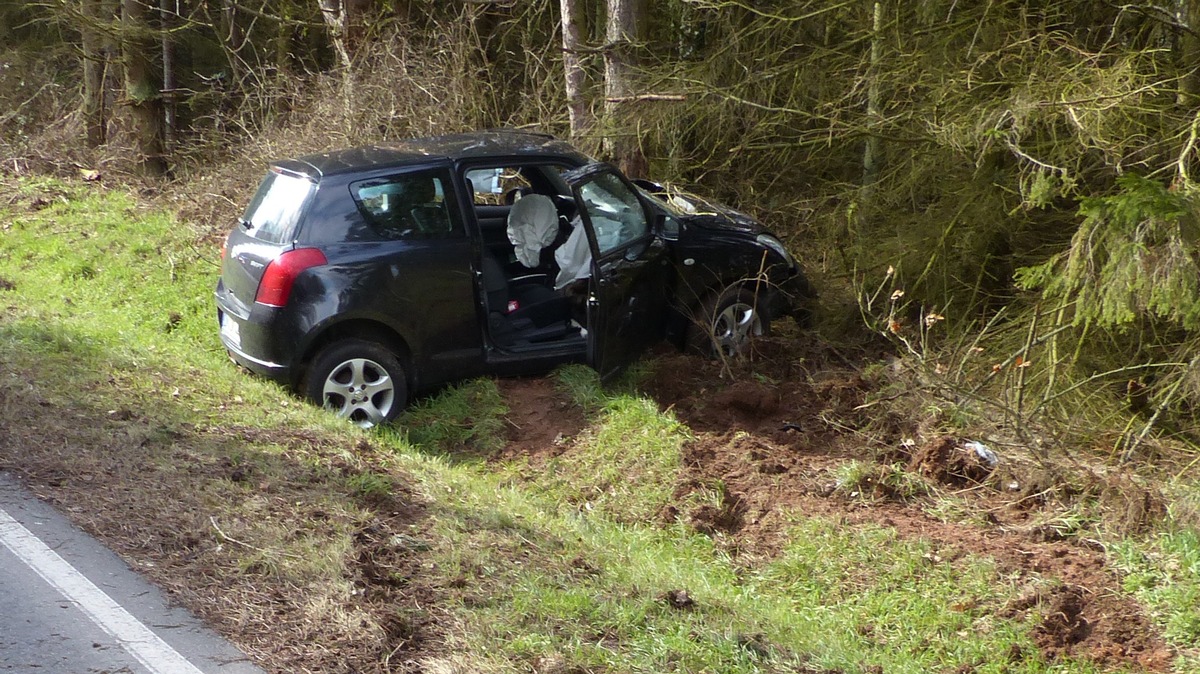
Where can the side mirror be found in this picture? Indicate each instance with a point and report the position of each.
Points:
(667, 227)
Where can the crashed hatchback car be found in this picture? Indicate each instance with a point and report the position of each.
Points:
(365, 275)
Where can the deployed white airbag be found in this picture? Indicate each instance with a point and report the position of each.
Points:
(574, 257)
(532, 225)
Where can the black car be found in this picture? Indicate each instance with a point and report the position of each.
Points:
(364, 275)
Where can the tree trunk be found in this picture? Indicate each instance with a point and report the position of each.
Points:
(232, 40)
(1189, 52)
(167, 11)
(871, 149)
(282, 39)
(141, 90)
(95, 65)
(625, 21)
(572, 67)
(334, 14)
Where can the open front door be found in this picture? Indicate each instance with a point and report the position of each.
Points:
(630, 286)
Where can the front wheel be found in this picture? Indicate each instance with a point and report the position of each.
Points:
(358, 380)
(726, 324)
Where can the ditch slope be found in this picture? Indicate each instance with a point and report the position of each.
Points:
(778, 435)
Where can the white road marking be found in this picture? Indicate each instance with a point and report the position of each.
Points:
(142, 643)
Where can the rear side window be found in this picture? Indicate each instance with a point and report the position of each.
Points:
(273, 213)
(409, 206)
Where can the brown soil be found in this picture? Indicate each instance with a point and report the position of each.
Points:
(774, 433)
(151, 499)
(541, 421)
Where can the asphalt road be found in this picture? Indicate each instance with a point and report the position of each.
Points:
(69, 605)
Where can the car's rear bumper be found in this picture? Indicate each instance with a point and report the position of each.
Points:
(273, 371)
(233, 333)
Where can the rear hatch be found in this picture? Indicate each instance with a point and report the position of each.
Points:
(267, 229)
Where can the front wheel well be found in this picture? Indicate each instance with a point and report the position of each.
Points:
(725, 320)
(754, 285)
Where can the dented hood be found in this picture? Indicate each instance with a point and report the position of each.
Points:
(704, 213)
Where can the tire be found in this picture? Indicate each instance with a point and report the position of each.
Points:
(358, 380)
(725, 325)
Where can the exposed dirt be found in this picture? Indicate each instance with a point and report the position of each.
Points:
(541, 421)
(946, 460)
(187, 505)
(775, 433)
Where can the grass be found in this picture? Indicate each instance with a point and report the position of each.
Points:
(323, 548)
(582, 386)
(863, 479)
(625, 465)
(464, 420)
(551, 583)
(1163, 570)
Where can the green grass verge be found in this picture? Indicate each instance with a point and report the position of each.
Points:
(546, 585)
(464, 421)
(624, 465)
(1163, 571)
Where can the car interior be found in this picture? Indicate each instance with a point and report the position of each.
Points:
(524, 217)
(405, 207)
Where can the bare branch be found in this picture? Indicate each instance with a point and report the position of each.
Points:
(646, 97)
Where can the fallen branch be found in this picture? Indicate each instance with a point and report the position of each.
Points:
(646, 97)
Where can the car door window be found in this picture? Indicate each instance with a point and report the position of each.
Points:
(616, 214)
(491, 186)
(410, 206)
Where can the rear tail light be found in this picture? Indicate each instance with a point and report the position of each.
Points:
(276, 284)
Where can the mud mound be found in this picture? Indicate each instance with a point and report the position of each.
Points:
(1095, 620)
(1064, 624)
(946, 460)
(752, 399)
(1131, 507)
(540, 420)
(1077, 620)
(775, 399)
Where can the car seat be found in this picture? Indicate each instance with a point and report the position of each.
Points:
(532, 226)
(425, 212)
(523, 312)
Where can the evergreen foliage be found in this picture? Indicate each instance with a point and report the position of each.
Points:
(1134, 257)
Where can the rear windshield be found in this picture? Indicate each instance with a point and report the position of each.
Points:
(276, 207)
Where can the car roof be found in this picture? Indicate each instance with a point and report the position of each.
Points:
(479, 144)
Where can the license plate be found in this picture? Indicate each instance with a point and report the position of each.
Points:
(229, 330)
